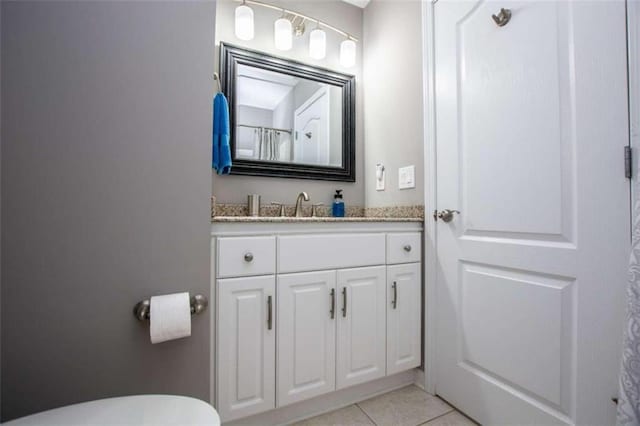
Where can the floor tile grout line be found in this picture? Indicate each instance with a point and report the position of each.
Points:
(357, 404)
(437, 417)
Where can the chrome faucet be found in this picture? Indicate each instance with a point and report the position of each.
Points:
(301, 196)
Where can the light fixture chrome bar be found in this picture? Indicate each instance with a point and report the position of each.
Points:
(293, 12)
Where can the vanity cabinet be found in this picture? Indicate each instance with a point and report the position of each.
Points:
(300, 315)
(246, 346)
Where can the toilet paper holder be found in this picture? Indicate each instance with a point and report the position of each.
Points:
(142, 309)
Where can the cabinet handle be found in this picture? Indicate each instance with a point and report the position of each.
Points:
(344, 302)
(269, 313)
(394, 302)
(248, 257)
(332, 294)
(407, 248)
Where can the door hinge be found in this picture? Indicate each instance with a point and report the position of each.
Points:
(628, 162)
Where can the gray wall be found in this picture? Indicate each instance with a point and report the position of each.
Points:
(283, 113)
(0, 210)
(234, 189)
(393, 99)
(106, 131)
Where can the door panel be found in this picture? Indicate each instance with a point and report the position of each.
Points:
(509, 315)
(531, 123)
(404, 290)
(520, 132)
(361, 325)
(246, 346)
(306, 335)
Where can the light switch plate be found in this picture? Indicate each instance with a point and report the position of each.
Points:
(380, 177)
(407, 177)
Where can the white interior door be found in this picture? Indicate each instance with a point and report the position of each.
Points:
(306, 335)
(311, 129)
(361, 314)
(531, 123)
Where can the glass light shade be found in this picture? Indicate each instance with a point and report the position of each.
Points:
(317, 44)
(348, 53)
(283, 34)
(244, 22)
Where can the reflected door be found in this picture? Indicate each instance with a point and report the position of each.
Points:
(311, 124)
(531, 125)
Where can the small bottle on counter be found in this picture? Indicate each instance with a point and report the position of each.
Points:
(337, 208)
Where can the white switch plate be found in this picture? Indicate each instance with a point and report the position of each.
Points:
(380, 177)
(407, 177)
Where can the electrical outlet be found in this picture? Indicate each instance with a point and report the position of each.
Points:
(407, 177)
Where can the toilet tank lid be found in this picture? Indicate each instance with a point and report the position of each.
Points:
(138, 410)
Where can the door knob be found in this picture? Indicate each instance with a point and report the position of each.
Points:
(446, 215)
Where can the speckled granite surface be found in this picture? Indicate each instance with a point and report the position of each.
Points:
(241, 210)
(278, 219)
(395, 211)
(238, 213)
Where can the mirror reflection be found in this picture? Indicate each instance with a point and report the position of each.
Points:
(287, 119)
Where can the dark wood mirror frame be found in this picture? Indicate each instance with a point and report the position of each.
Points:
(232, 56)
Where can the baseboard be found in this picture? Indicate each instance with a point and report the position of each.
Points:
(329, 402)
(420, 380)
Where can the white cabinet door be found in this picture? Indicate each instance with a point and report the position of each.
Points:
(306, 344)
(403, 317)
(361, 314)
(246, 346)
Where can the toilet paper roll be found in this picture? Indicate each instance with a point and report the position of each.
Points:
(170, 317)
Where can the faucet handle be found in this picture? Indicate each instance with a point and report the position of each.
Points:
(282, 212)
(314, 209)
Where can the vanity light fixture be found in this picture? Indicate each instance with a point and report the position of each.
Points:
(285, 27)
(283, 33)
(244, 22)
(318, 43)
(348, 53)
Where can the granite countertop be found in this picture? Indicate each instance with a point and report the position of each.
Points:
(229, 213)
(289, 219)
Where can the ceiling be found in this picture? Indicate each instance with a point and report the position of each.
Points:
(262, 89)
(359, 3)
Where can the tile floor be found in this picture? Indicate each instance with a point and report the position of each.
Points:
(409, 406)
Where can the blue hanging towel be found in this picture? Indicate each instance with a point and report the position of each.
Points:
(221, 150)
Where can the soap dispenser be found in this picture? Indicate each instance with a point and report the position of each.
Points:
(337, 208)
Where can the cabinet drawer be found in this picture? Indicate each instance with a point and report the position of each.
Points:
(403, 247)
(243, 256)
(300, 253)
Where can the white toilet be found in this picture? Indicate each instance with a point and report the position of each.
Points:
(138, 410)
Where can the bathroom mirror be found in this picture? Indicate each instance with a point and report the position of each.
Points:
(288, 119)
